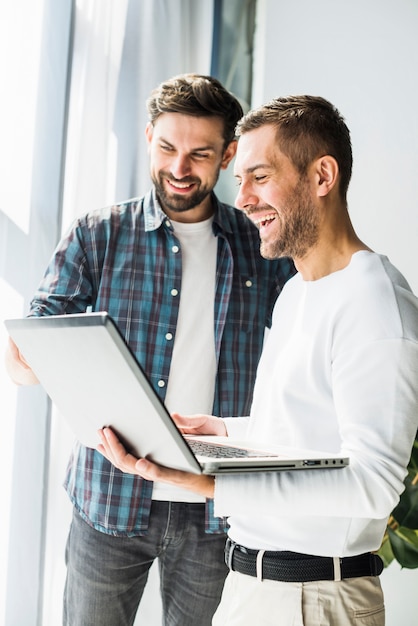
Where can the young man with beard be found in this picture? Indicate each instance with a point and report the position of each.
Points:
(181, 273)
(338, 373)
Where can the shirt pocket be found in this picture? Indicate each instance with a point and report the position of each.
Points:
(246, 309)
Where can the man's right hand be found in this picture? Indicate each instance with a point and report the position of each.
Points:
(200, 424)
(17, 367)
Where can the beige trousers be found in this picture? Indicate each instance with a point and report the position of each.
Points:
(350, 602)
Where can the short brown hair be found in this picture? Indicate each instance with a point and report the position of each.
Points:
(200, 96)
(307, 127)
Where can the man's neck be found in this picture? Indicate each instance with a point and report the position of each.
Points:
(199, 213)
(331, 253)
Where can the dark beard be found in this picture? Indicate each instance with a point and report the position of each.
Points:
(176, 202)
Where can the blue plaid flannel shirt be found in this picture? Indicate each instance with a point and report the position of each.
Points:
(124, 260)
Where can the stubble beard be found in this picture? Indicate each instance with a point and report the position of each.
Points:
(298, 230)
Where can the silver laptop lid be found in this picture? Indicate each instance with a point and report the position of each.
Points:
(94, 379)
(91, 375)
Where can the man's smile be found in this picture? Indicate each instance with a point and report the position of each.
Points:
(263, 221)
(180, 186)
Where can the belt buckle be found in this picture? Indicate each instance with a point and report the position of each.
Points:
(259, 565)
(337, 568)
(231, 545)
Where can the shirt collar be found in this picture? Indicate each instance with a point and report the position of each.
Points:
(153, 213)
(155, 216)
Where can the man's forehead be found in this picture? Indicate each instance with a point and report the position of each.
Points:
(254, 152)
(201, 132)
(175, 120)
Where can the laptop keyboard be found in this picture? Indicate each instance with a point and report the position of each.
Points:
(217, 450)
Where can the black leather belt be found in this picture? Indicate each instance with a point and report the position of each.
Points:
(295, 567)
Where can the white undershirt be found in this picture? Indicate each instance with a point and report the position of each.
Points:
(191, 383)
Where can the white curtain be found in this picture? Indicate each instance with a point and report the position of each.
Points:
(34, 39)
(122, 50)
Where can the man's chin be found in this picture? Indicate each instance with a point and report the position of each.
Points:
(180, 207)
(178, 203)
(271, 252)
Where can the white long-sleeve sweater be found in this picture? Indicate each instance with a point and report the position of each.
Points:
(339, 372)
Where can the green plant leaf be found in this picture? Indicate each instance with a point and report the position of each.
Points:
(401, 542)
(385, 551)
(413, 463)
(406, 512)
(404, 544)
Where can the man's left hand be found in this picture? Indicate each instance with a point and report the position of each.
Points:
(116, 453)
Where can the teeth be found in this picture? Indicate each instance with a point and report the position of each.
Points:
(264, 219)
(180, 185)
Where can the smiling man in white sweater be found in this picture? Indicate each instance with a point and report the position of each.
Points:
(338, 373)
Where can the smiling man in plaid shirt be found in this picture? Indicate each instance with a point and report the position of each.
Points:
(182, 275)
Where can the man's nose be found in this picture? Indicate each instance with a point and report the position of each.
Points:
(180, 166)
(246, 197)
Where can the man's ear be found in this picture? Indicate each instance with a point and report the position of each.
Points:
(149, 129)
(229, 154)
(327, 174)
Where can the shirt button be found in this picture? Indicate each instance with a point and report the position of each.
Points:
(167, 223)
(174, 292)
(175, 249)
(161, 383)
(248, 283)
(169, 336)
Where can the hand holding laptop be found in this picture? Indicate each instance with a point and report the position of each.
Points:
(200, 424)
(17, 367)
(115, 452)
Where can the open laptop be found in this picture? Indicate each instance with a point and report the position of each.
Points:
(94, 379)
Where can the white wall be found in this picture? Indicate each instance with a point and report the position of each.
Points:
(361, 55)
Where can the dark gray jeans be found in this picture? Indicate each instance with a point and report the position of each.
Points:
(106, 575)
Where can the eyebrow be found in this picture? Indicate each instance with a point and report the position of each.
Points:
(253, 168)
(207, 148)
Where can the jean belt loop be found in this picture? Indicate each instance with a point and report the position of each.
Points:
(337, 568)
(232, 546)
(259, 565)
